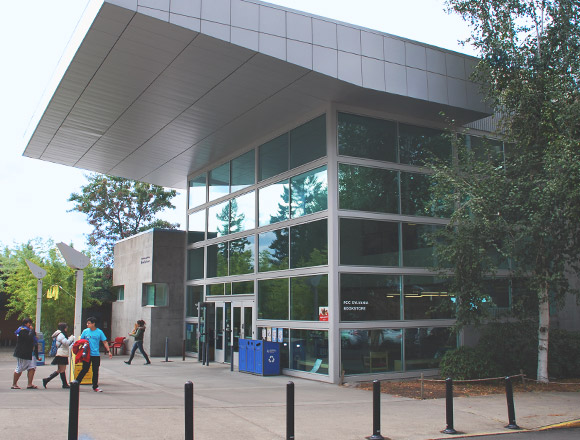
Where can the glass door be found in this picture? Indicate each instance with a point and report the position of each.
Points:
(233, 321)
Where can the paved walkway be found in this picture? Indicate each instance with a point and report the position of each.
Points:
(147, 402)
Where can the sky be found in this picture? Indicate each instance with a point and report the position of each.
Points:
(34, 34)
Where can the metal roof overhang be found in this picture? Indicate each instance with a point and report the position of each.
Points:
(152, 101)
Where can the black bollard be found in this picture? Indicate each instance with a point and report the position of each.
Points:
(188, 410)
(509, 394)
(166, 349)
(290, 411)
(201, 353)
(232, 358)
(376, 411)
(73, 411)
(449, 406)
(206, 357)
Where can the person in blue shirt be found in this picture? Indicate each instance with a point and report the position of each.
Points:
(94, 335)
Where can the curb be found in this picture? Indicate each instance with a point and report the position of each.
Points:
(569, 424)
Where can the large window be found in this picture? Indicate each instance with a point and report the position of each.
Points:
(365, 351)
(309, 351)
(365, 297)
(274, 250)
(196, 227)
(273, 156)
(219, 181)
(193, 296)
(309, 298)
(366, 137)
(232, 216)
(417, 251)
(155, 295)
(191, 341)
(197, 191)
(368, 189)
(217, 260)
(234, 257)
(243, 171)
(427, 297)
(273, 299)
(274, 203)
(421, 145)
(424, 347)
(195, 266)
(309, 244)
(369, 242)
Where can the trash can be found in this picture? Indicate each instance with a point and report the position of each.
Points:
(41, 343)
(242, 355)
(267, 358)
(250, 356)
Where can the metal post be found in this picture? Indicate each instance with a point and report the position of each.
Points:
(188, 410)
(73, 411)
(201, 353)
(376, 411)
(207, 352)
(183, 351)
(510, 404)
(232, 358)
(166, 349)
(290, 411)
(79, 304)
(449, 406)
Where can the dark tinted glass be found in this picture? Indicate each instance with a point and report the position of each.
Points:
(243, 171)
(219, 181)
(243, 288)
(368, 189)
(361, 136)
(415, 196)
(197, 195)
(308, 142)
(273, 157)
(369, 242)
(242, 255)
(309, 192)
(194, 296)
(424, 347)
(420, 145)
(417, 252)
(195, 264)
(274, 250)
(309, 298)
(485, 149)
(273, 299)
(366, 351)
(309, 351)
(427, 298)
(309, 244)
(217, 260)
(369, 297)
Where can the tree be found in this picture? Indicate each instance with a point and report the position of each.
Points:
(20, 286)
(118, 208)
(524, 209)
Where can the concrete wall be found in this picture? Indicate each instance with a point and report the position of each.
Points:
(155, 256)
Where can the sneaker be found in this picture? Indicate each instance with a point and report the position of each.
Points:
(97, 390)
(66, 385)
(44, 382)
(128, 363)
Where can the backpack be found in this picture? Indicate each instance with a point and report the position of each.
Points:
(53, 348)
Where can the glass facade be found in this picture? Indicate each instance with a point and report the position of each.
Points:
(268, 239)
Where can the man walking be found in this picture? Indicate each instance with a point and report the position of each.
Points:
(26, 347)
(94, 335)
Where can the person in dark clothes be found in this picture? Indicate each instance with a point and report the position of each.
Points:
(26, 353)
(63, 343)
(138, 333)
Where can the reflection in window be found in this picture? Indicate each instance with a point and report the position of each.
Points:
(368, 189)
(155, 294)
(309, 351)
(219, 181)
(217, 260)
(485, 149)
(308, 142)
(273, 157)
(274, 203)
(191, 339)
(498, 290)
(424, 347)
(193, 296)
(427, 298)
(197, 195)
(243, 288)
(196, 227)
(309, 244)
(120, 290)
(273, 299)
(366, 351)
(218, 221)
(417, 252)
(242, 255)
(365, 297)
(309, 192)
(309, 298)
(243, 171)
(369, 242)
(420, 145)
(274, 250)
(195, 261)
(215, 289)
(243, 213)
(371, 138)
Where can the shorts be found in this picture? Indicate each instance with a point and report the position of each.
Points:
(25, 365)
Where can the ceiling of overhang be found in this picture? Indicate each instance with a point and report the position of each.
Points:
(151, 101)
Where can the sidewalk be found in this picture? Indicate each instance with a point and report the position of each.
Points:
(147, 402)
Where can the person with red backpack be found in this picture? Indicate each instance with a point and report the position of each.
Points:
(94, 336)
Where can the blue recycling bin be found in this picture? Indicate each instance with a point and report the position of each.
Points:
(242, 355)
(250, 356)
(267, 358)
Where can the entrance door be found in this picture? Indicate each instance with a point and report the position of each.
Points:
(233, 320)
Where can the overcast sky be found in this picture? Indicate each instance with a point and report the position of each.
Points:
(34, 34)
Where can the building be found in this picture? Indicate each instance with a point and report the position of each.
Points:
(301, 142)
(149, 280)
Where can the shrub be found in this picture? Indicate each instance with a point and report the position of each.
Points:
(468, 363)
(564, 354)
